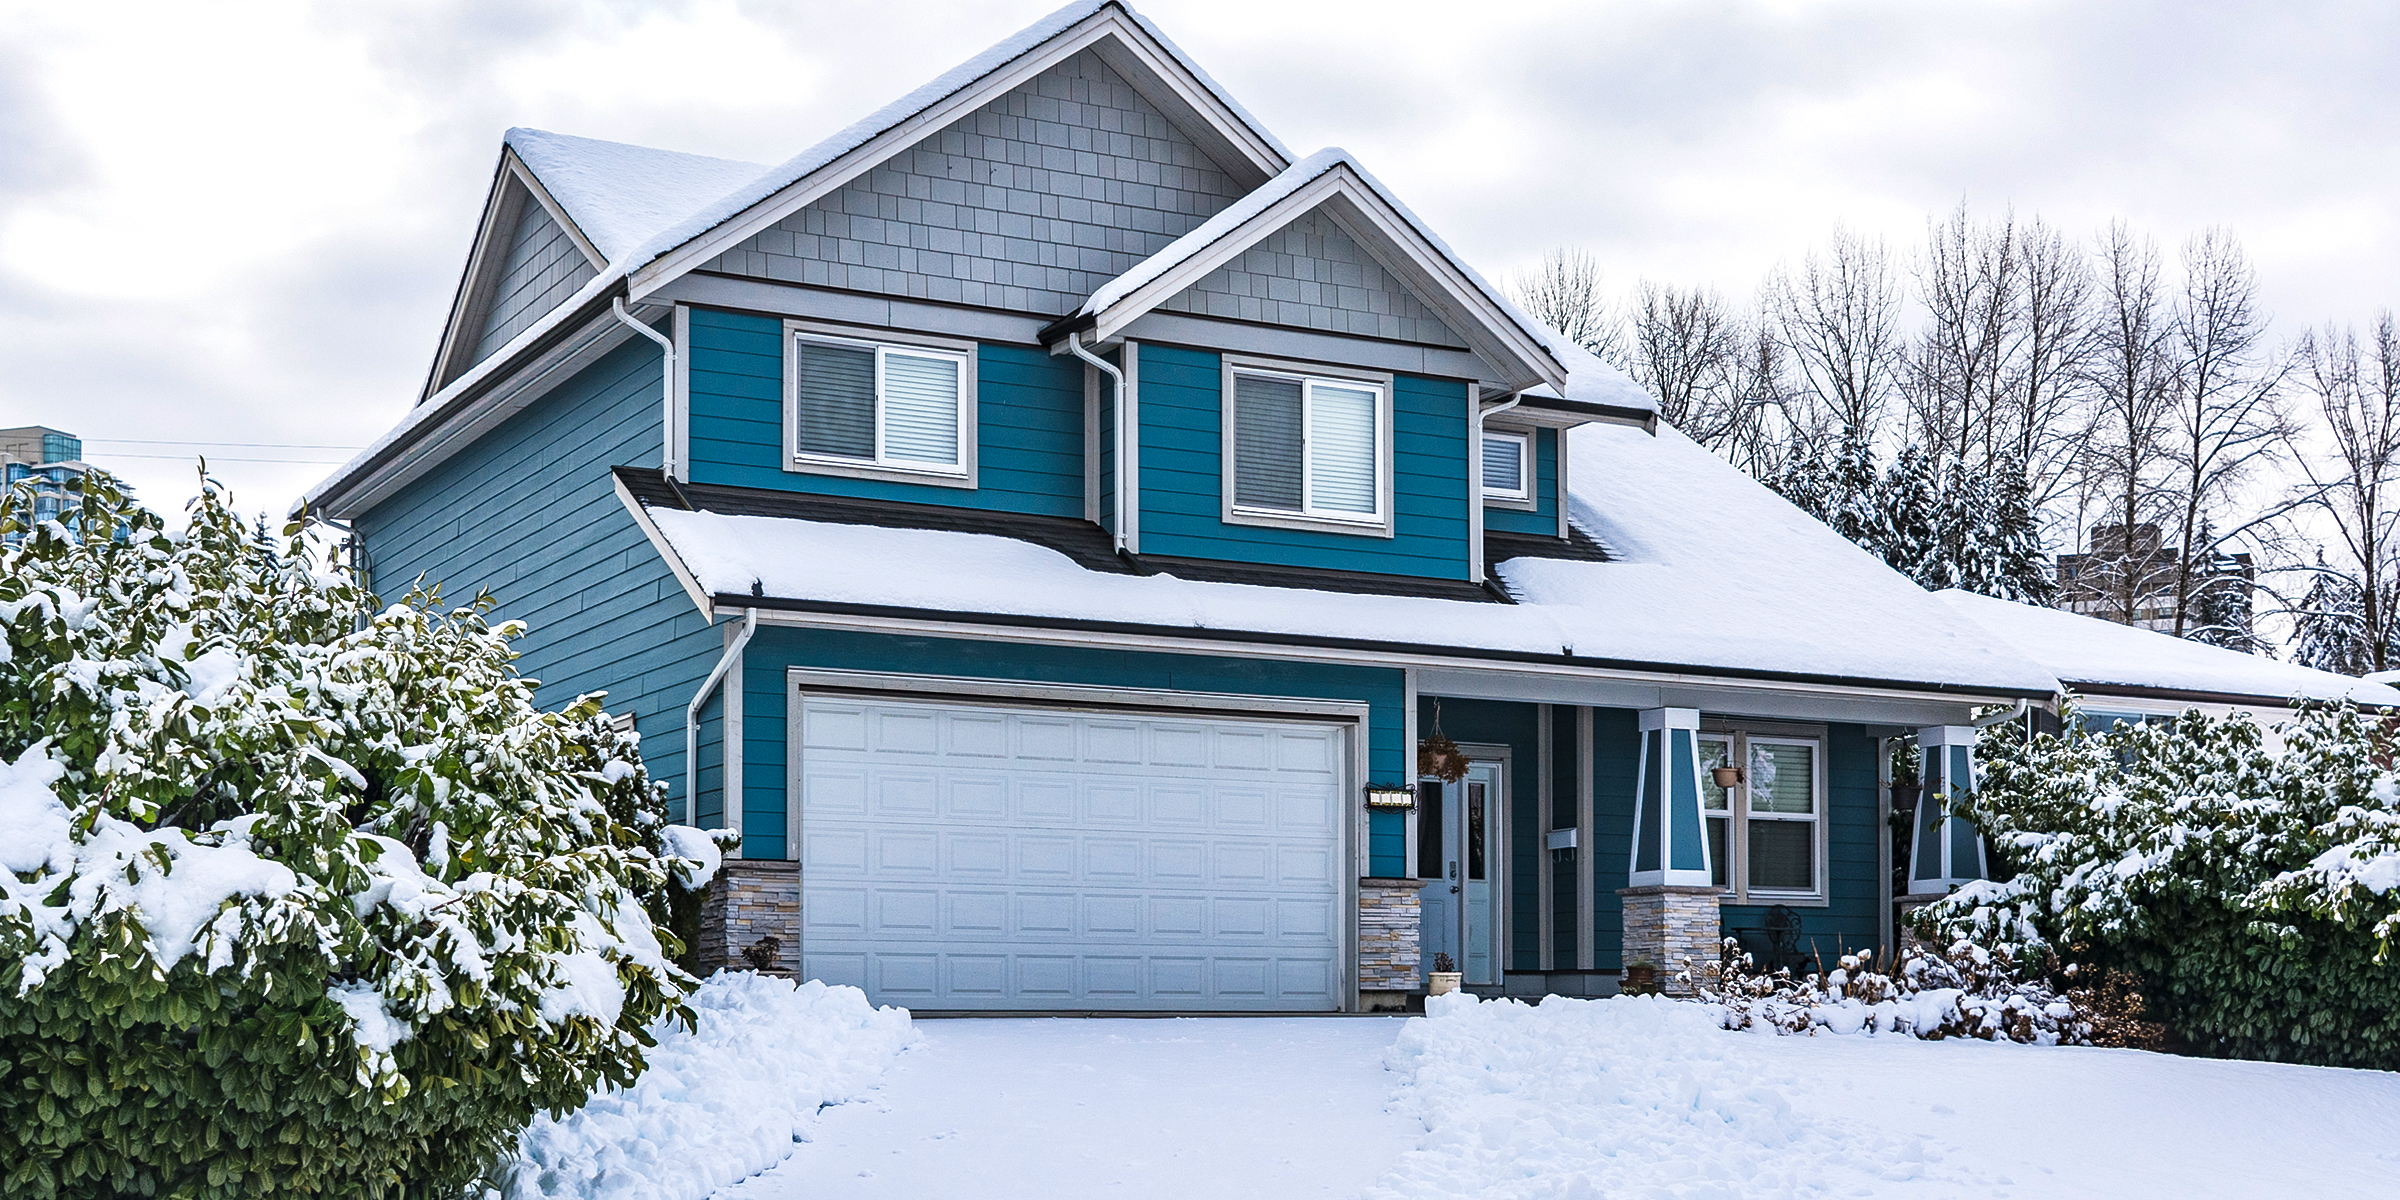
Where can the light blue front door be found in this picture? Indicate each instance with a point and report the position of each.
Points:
(1457, 854)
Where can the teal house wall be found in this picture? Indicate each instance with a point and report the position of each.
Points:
(1181, 394)
(1028, 423)
(1543, 519)
(529, 514)
(766, 704)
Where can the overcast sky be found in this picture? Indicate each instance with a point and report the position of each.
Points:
(241, 223)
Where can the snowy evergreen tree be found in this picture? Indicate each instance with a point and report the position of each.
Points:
(1911, 503)
(2330, 630)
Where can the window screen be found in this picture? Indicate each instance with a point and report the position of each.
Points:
(920, 408)
(1341, 449)
(837, 400)
(1266, 446)
(1782, 795)
(1504, 464)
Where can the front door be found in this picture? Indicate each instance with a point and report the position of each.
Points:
(1457, 856)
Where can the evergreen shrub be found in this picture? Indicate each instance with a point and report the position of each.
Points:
(299, 895)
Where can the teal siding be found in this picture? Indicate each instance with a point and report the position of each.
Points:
(1616, 761)
(1518, 727)
(528, 513)
(1028, 417)
(1182, 489)
(1565, 939)
(765, 710)
(1544, 517)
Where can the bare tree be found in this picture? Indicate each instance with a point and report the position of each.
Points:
(1971, 283)
(1838, 320)
(2126, 459)
(2045, 408)
(2224, 416)
(2357, 388)
(1565, 294)
(1683, 345)
(1761, 395)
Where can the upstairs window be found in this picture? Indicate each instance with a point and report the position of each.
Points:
(881, 410)
(1508, 466)
(1308, 450)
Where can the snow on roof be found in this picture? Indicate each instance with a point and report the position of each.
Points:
(1718, 574)
(2092, 656)
(621, 195)
(1589, 379)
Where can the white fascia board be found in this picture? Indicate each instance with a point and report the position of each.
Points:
(1109, 24)
(1366, 217)
(666, 552)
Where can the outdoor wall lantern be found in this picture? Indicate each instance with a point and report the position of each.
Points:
(1725, 777)
(1385, 795)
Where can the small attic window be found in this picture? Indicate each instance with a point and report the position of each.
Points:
(879, 409)
(1507, 466)
(1307, 450)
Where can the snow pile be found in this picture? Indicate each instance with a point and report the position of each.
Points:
(1631, 1096)
(721, 1103)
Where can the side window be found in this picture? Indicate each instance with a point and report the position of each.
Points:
(1307, 450)
(879, 410)
(1508, 466)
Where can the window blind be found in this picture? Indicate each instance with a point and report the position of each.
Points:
(837, 400)
(1341, 448)
(1266, 442)
(1503, 464)
(920, 408)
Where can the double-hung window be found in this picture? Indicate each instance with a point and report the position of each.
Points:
(1766, 833)
(1308, 450)
(879, 409)
(1508, 466)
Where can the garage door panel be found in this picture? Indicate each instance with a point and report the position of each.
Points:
(985, 857)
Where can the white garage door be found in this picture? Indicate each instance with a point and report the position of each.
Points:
(959, 856)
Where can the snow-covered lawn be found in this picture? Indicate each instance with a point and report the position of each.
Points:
(1002, 1109)
(1646, 1097)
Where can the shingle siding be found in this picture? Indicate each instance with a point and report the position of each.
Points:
(1030, 203)
(529, 514)
(1312, 275)
(542, 269)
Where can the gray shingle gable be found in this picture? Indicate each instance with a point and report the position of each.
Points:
(1313, 275)
(1029, 204)
(543, 268)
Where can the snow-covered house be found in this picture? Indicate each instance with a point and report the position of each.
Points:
(1046, 517)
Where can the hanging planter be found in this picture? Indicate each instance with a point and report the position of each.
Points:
(1437, 756)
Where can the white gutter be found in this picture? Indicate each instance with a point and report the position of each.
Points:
(666, 345)
(2002, 718)
(1117, 378)
(691, 724)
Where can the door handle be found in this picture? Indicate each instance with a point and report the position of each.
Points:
(1454, 889)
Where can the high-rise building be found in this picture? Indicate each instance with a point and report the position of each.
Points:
(47, 459)
(2136, 570)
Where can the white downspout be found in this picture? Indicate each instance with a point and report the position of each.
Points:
(1117, 379)
(1475, 481)
(691, 722)
(2002, 718)
(667, 460)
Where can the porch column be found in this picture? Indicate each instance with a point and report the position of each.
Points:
(1671, 900)
(1945, 850)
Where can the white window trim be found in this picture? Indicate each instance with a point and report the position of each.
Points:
(1737, 818)
(1529, 466)
(962, 475)
(1377, 524)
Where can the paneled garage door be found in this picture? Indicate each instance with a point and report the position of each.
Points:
(964, 856)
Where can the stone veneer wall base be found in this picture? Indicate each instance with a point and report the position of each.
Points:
(1665, 925)
(751, 900)
(1389, 918)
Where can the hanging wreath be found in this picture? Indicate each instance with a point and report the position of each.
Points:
(1438, 756)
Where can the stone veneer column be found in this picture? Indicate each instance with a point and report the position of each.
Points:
(1389, 917)
(1665, 924)
(751, 899)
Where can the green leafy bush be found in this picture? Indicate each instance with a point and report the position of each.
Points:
(298, 896)
(2251, 887)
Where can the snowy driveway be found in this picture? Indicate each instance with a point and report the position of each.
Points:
(1001, 1108)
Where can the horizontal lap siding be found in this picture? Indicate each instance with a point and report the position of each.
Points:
(1182, 488)
(1616, 768)
(765, 774)
(1028, 416)
(1544, 517)
(529, 514)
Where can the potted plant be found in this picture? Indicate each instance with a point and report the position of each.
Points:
(1640, 978)
(1445, 977)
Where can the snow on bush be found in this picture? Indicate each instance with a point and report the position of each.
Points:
(1630, 1096)
(297, 895)
(719, 1102)
(1966, 992)
(2255, 890)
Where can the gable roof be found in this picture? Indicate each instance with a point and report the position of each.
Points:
(1708, 573)
(2099, 658)
(1333, 181)
(1123, 39)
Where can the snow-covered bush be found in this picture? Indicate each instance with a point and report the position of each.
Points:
(1965, 992)
(298, 896)
(2256, 891)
